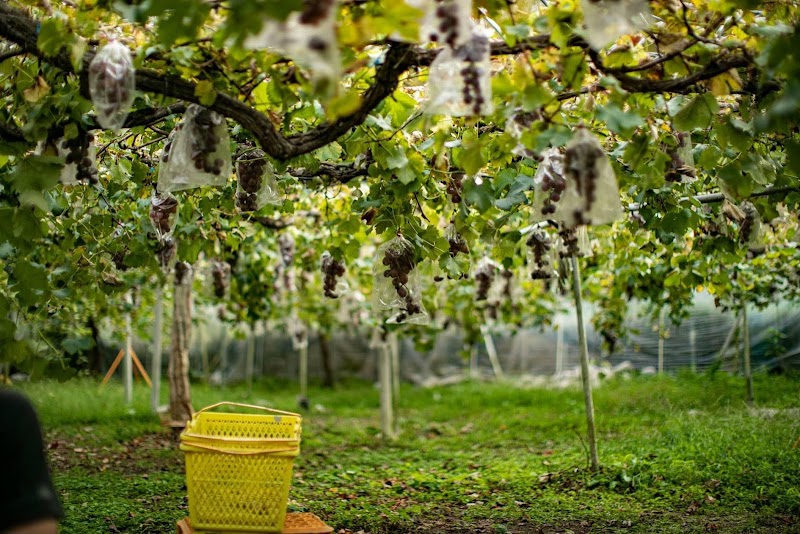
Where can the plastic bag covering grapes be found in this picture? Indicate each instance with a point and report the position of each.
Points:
(751, 231)
(111, 84)
(542, 255)
(256, 183)
(164, 215)
(592, 194)
(574, 242)
(681, 167)
(308, 37)
(221, 278)
(549, 186)
(458, 245)
(198, 154)
(397, 287)
(447, 22)
(80, 157)
(333, 270)
(485, 274)
(516, 126)
(608, 20)
(459, 81)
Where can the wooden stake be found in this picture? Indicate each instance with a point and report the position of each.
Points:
(113, 367)
(584, 348)
(180, 396)
(139, 368)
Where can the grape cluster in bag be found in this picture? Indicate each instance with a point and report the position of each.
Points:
(112, 81)
(80, 156)
(256, 185)
(459, 80)
(164, 215)
(197, 152)
(396, 282)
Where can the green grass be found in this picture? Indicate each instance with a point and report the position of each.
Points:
(679, 454)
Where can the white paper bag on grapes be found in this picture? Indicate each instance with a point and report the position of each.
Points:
(256, 184)
(80, 160)
(542, 255)
(164, 215)
(608, 20)
(308, 37)
(333, 270)
(396, 284)
(459, 80)
(592, 194)
(198, 154)
(112, 81)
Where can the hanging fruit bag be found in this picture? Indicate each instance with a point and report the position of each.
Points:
(112, 80)
(397, 288)
(256, 183)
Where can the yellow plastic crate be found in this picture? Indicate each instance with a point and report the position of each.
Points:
(239, 468)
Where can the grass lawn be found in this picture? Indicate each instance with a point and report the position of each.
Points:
(679, 454)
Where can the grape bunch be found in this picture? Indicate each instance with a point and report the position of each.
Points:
(315, 11)
(77, 150)
(221, 275)
(457, 244)
(485, 276)
(455, 186)
(472, 53)
(399, 261)
(163, 210)
(447, 13)
(286, 247)
(541, 244)
(332, 269)
(204, 139)
(552, 183)
(165, 253)
(569, 239)
(250, 172)
(580, 166)
(508, 276)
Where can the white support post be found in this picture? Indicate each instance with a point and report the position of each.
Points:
(250, 355)
(559, 348)
(584, 350)
(127, 361)
(303, 369)
(491, 350)
(693, 348)
(661, 342)
(748, 375)
(385, 379)
(395, 347)
(155, 364)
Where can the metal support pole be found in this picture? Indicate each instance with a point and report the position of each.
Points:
(584, 350)
(385, 378)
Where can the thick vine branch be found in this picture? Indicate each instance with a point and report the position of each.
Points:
(17, 26)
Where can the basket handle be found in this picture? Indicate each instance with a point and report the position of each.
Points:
(253, 406)
(240, 452)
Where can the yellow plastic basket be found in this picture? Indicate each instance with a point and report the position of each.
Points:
(239, 468)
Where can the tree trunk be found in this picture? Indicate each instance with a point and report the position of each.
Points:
(327, 368)
(180, 399)
(95, 355)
